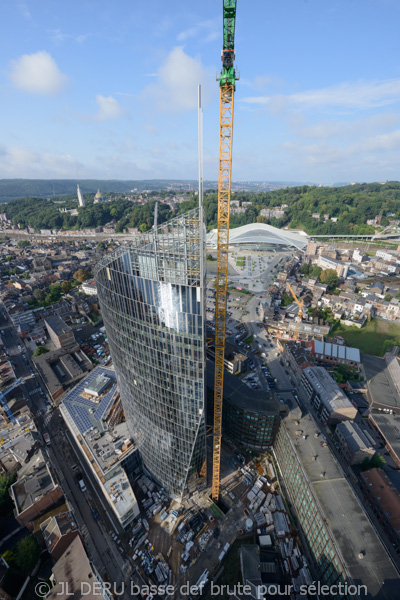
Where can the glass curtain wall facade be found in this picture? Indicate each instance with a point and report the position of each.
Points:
(151, 293)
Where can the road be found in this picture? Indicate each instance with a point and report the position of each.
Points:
(103, 550)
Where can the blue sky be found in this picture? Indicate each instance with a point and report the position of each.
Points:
(101, 89)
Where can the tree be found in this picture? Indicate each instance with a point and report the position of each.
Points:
(38, 295)
(6, 481)
(23, 243)
(27, 554)
(388, 297)
(101, 245)
(65, 286)
(81, 275)
(316, 272)
(330, 277)
(54, 293)
(305, 269)
(40, 350)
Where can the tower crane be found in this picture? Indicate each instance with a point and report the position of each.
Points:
(227, 85)
(300, 304)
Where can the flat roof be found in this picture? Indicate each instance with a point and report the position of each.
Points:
(30, 488)
(241, 395)
(389, 426)
(347, 522)
(57, 325)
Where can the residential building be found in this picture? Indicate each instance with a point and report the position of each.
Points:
(354, 443)
(84, 581)
(326, 397)
(35, 491)
(58, 532)
(384, 498)
(151, 293)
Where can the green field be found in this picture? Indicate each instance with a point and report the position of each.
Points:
(372, 337)
(240, 261)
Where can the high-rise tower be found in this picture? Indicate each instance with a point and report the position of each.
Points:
(81, 200)
(151, 296)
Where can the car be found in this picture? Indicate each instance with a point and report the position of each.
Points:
(2, 332)
(287, 372)
(80, 329)
(95, 514)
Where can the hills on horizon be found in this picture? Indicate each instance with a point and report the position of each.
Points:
(12, 189)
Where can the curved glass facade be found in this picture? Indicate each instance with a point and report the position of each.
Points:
(151, 296)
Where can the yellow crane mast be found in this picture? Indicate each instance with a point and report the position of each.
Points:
(227, 89)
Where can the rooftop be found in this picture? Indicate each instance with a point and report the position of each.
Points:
(327, 389)
(389, 426)
(57, 325)
(383, 380)
(30, 488)
(355, 437)
(241, 395)
(350, 528)
(57, 526)
(386, 494)
(70, 571)
(337, 351)
(85, 414)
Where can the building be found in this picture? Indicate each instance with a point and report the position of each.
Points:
(81, 200)
(259, 236)
(59, 369)
(326, 397)
(74, 576)
(234, 361)
(58, 532)
(333, 355)
(60, 333)
(325, 262)
(341, 541)
(103, 442)
(384, 499)
(151, 293)
(89, 287)
(35, 491)
(98, 198)
(383, 382)
(354, 443)
(250, 417)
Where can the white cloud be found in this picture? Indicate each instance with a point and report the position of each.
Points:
(37, 74)
(208, 30)
(109, 109)
(358, 95)
(59, 36)
(19, 161)
(177, 81)
(23, 9)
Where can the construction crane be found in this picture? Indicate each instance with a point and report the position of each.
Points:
(227, 84)
(300, 304)
(3, 400)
